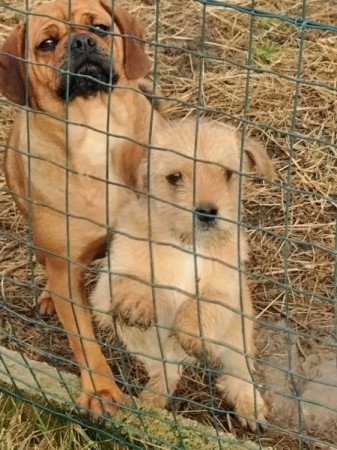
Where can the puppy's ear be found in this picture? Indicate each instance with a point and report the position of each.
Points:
(128, 163)
(259, 158)
(136, 62)
(141, 175)
(12, 71)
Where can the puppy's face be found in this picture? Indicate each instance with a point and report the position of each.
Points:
(76, 60)
(200, 197)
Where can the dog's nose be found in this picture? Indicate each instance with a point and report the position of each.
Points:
(82, 42)
(207, 213)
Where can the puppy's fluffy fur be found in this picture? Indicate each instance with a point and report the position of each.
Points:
(195, 294)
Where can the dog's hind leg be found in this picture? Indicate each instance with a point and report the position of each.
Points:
(163, 380)
(237, 357)
(163, 369)
(238, 387)
(216, 335)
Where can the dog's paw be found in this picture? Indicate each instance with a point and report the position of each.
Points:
(252, 414)
(46, 304)
(134, 311)
(193, 346)
(198, 349)
(103, 402)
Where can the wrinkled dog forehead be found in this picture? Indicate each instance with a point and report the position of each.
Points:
(52, 18)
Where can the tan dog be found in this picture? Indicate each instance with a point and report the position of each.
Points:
(56, 172)
(180, 272)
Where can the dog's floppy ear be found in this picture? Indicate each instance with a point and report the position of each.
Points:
(141, 174)
(259, 158)
(12, 71)
(128, 162)
(136, 62)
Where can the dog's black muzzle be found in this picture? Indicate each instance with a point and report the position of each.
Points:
(207, 215)
(88, 69)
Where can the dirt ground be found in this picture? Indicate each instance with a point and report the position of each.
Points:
(292, 232)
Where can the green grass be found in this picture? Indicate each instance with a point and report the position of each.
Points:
(26, 427)
(265, 53)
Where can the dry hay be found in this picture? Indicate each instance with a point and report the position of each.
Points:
(304, 216)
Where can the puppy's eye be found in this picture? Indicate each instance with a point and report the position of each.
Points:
(228, 174)
(174, 178)
(47, 45)
(100, 29)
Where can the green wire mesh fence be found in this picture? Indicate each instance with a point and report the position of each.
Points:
(266, 68)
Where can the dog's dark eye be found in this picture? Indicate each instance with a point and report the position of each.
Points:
(228, 174)
(47, 45)
(100, 29)
(174, 178)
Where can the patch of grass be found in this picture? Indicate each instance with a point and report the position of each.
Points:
(265, 53)
(275, 26)
(23, 426)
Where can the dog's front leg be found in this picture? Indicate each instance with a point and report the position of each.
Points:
(132, 303)
(100, 393)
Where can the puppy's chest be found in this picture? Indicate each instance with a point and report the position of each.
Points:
(172, 266)
(185, 272)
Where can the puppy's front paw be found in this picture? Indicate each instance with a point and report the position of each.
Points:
(134, 311)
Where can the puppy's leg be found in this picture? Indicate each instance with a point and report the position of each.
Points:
(163, 380)
(100, 393)
(132, 303)
(222, 343)
(238, 386)
(186, 329)
(163, 376)
(237, 358)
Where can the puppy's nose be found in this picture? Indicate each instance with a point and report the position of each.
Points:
(83, 43)
(207, 213)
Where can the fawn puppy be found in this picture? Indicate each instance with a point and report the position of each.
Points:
(181, 296)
